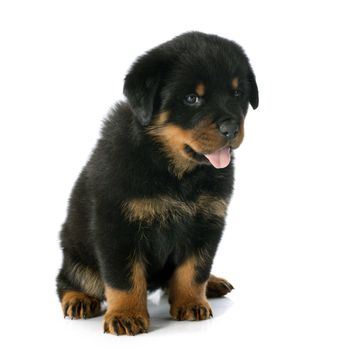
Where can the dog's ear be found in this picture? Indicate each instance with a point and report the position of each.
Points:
(142, 85)
(254, 92)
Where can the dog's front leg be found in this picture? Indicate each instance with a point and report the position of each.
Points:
(123, 273)
(127, 309)
(187, 293)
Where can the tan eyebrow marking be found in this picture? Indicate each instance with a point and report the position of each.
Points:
(200, 89)
(235, 83)
(163, 117)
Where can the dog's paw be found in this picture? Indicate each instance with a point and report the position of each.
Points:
(77, 305)
(218, 287)
(191, 311)
(126, 322)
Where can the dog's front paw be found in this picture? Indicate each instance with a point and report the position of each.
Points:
(195, 311)
(126, 322)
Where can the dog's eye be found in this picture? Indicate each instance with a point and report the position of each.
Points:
(237, 93)
(191, 99)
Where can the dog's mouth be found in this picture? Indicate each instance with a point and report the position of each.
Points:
(219, 159)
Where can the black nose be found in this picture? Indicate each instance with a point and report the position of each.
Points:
(229, 128)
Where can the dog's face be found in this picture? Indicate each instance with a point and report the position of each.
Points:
(192, 94)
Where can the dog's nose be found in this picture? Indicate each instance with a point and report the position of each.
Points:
(229, 128)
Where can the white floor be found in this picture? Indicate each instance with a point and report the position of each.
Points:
(269, 318)
(161, 323)
(57, 332)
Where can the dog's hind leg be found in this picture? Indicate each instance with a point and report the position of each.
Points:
(76, 301)
(218, 287)
(78, 305)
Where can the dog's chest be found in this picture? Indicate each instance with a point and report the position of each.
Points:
(165, 209)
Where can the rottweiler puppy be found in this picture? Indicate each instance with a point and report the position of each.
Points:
(148, 209)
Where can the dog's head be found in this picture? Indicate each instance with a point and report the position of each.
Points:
(191, 94)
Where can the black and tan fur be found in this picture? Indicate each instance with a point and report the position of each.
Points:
(148, 209)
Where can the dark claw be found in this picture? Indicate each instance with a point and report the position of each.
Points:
(93, 307)
(123, 326)
(140, 323)
(116, 326)
(128, 326)
(199, 313)
(227, 285)
(203, 314)
(105, 328)
(74, 310)
(84, 310)
(178, 316)
(78, 309)
(194, 311)
(65, 310)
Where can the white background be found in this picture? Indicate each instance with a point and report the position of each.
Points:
(286, 244)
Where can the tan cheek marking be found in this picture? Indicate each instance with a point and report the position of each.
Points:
(173, 140)
(200, 89)
(171, 136)
(204, 138)
(235, 83)
(207, 141)
(177, 135)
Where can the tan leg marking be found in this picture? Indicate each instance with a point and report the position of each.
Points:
(187, 298)
(127, 310)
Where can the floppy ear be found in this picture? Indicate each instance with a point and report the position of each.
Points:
(141, 85)
(254, 92)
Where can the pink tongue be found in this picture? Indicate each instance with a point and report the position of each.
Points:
(220, 158)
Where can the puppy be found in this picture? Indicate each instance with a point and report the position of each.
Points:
(148, 209)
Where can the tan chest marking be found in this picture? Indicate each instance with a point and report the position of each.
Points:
(166, 208)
